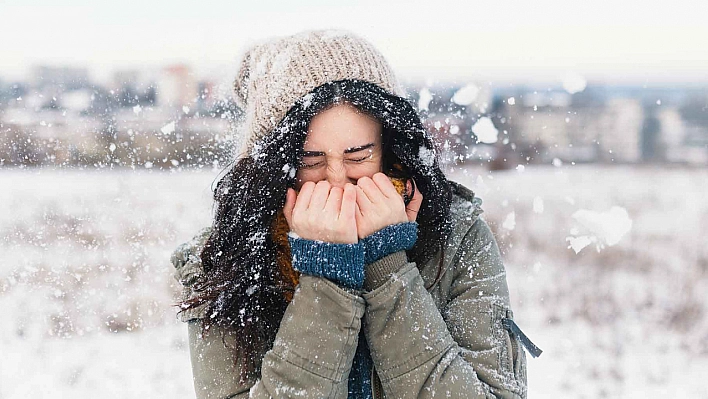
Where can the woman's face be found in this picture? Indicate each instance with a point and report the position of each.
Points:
(342, 145)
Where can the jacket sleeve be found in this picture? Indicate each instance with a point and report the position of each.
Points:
(315, 345)
(461, 352)
(312, 353)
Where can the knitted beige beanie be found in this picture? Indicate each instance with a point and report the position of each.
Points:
(273, 75)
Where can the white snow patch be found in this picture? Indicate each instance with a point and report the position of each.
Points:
(520, 168)
(510, 221)
(424, 99)
(137, 109)
(578, 243)
(557, 162)
(574, 83)
(609, 226)
(77, 100)
(280, 63)
(485, 131)
(537, 267)
(289, 170)
(168, 128)
(185, 109)
(466, 95)
(538, 205)
(307, 100)
(604, 228)
(427, 156)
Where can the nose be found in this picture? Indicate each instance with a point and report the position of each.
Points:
(337, 175)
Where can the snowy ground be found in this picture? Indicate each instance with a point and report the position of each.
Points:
(86, 285)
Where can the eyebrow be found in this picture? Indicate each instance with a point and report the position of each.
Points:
(306, 154)
(313, 154)
(359, 148)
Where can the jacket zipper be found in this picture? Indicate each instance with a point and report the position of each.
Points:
(375, 384)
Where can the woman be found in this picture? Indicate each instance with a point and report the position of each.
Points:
(341, 263)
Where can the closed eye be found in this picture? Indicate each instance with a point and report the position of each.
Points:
(305, 165)
(361, 159)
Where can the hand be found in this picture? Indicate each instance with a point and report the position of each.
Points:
(322, 212)
(380, 205)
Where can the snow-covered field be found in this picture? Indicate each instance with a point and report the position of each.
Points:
(86, 285)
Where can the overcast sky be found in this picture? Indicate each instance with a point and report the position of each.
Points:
(623, 40)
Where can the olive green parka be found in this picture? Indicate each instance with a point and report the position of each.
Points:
(447, 341)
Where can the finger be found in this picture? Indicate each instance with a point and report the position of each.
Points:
(372, 191)
(349, 205)
(290, 198)
(334, 200)
(414, 206)
(357, 213)
(385, 186)
(359, 220)
(303, 197)
(363, 201)
(319, 196)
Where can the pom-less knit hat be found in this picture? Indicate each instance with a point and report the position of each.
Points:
(274, 75)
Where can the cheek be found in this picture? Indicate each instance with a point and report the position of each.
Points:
(304, 175)
(368, 169)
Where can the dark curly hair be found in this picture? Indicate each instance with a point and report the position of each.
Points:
(242, 285)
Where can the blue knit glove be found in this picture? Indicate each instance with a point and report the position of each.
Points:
(340, 263)
(390, 239)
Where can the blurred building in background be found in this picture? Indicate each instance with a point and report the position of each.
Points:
(171, 118)
(140, 119)
(177, 87)
(61, 78)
